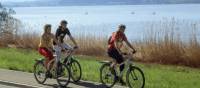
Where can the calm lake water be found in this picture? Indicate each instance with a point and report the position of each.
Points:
(103, 20)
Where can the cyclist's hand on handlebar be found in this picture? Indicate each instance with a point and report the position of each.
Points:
(124, 53)
(62, 50)
(75, 47)
(134, 51)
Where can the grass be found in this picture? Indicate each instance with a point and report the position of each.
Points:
(15, 59)
(157, 76)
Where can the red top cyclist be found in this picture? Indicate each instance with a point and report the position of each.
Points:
(114, 45)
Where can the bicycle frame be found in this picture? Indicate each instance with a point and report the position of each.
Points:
(130, 69)
(128, 63)
(69, 57)
(56, 60)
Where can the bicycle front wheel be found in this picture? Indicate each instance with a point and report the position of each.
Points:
(76, 72)
(135, 77)
(39, 72)
(63, 75)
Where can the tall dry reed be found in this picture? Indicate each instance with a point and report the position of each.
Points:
(162, 44)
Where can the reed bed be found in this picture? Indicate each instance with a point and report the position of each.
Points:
(162, 44)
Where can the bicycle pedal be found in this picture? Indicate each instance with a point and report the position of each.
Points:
(122, 82)
(49, 76)
(116, 78)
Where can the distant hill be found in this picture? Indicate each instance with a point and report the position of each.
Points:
(96, 2)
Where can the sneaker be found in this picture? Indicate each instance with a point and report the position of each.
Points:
(60, 72)
(112, 70)
(48, 74)
(116, 78)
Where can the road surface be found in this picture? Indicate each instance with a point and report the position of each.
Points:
(17, 79)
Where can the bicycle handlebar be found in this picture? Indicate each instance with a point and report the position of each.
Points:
(72, 50)
(133, 52)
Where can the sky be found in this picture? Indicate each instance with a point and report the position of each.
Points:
(15, 0)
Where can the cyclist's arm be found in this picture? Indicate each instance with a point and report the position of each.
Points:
(129, 44)
(73, 40)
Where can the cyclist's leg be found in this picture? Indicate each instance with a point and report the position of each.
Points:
(112, 54)
(122, 66)
(47, 54)
(114, 63)
(119, 59)
(57, 52)
(58, 57)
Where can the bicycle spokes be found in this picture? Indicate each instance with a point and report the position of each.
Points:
(75, 70)
(40, 72)
(63, 75)
(108, 75)
(135, 78)
(133, 75)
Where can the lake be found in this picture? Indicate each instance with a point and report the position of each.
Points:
(103, 20)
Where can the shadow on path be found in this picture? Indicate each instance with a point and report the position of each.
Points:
(89, 85)
(81, 83)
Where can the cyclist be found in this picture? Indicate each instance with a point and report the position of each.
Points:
(114, 45)
(61, 32)
(46, 43)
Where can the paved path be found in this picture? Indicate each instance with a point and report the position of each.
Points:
(5, 86)
(17, 79)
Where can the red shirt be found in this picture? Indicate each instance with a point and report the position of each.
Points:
(116, 36)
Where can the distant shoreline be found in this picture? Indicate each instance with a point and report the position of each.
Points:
(6, 5)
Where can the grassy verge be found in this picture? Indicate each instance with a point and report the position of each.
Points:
(157, 76)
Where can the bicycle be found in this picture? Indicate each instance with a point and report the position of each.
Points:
(134, 74)
(60, 71)
(74, 65)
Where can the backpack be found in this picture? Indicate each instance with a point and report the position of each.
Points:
(109, 39)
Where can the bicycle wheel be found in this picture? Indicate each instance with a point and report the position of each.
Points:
(135, 77)
(63, 75)
(107, 77)
(75, 69)
(40, 72)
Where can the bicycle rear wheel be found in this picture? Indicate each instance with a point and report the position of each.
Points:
(135, 77)
(63, 75)
(107, 77)
(40, 72)
(75, 69)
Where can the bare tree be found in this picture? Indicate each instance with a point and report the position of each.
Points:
(8, 24)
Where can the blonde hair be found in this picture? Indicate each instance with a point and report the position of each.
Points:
(46, 26)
